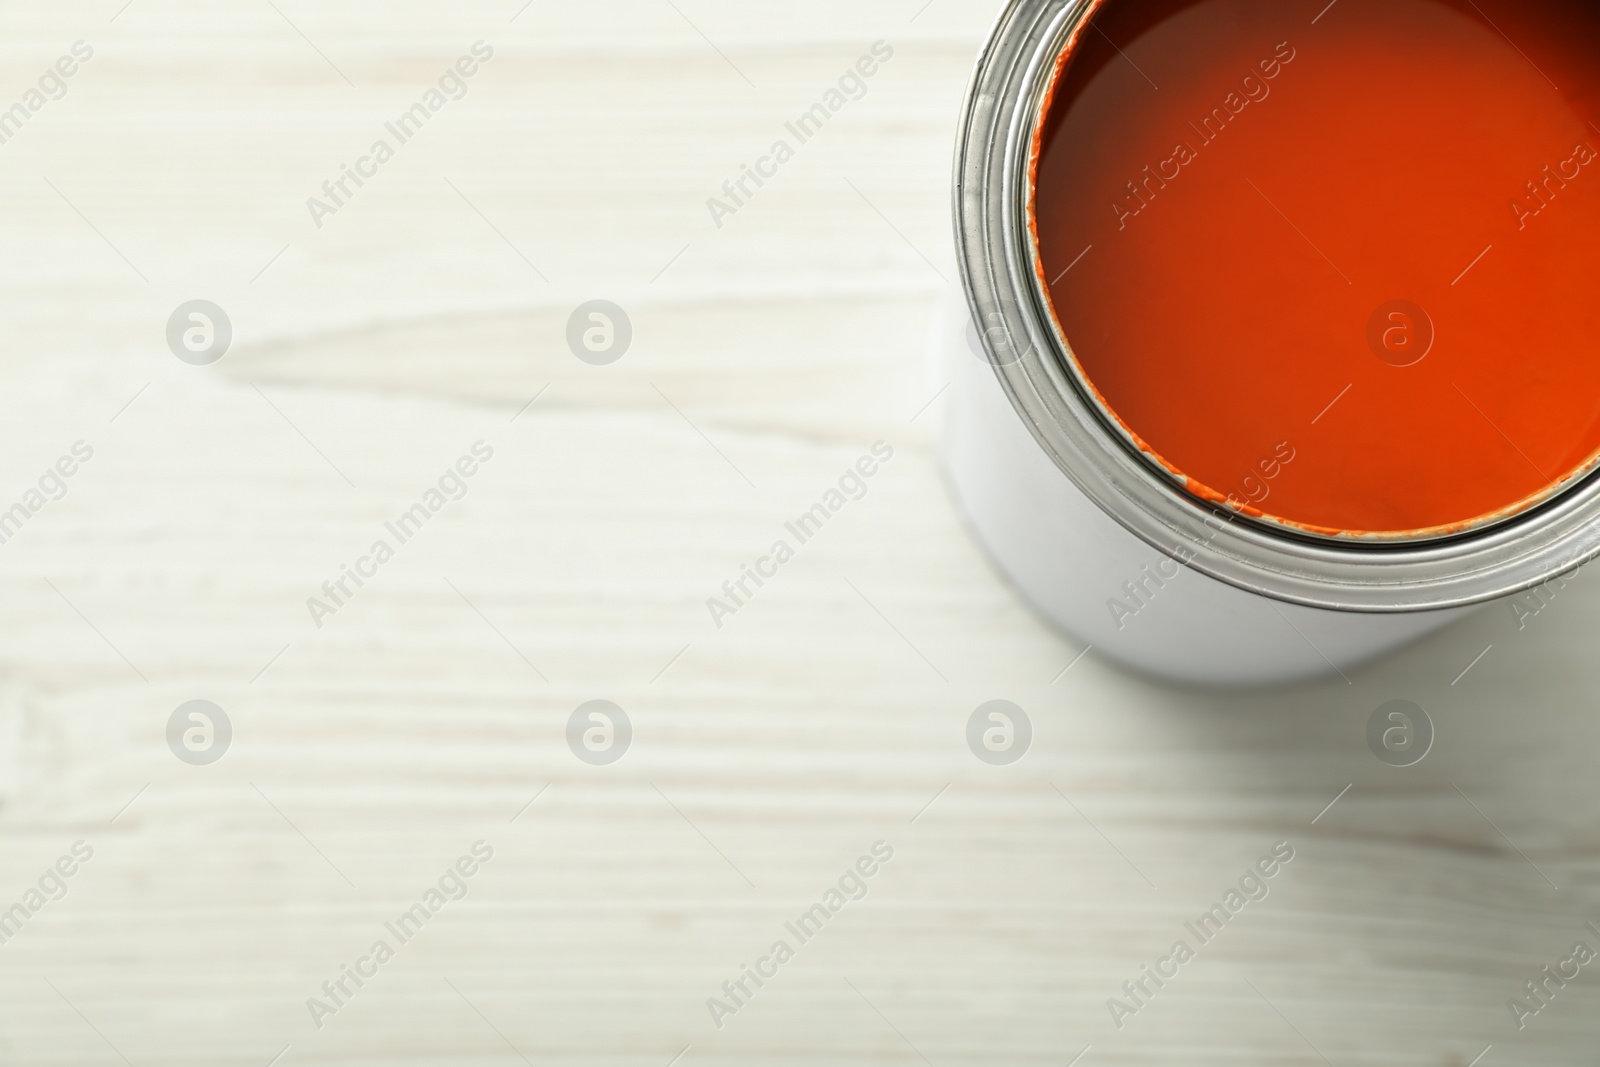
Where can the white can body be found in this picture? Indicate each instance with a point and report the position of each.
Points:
(1105, 586)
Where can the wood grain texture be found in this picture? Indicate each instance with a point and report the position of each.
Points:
(768, 754)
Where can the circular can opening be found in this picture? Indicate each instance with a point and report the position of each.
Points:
(1331, 267)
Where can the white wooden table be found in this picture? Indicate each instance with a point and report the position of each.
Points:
(767, 755)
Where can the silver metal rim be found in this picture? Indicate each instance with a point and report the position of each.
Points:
(995, 256)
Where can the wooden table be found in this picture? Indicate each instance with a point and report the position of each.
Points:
(430, 710)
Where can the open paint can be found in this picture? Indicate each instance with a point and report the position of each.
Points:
(1275, 347)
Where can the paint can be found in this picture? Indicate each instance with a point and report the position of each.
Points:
(1098, 539)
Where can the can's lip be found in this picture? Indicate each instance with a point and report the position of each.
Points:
(995, 155)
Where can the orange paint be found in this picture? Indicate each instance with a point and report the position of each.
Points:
(1343, 275)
